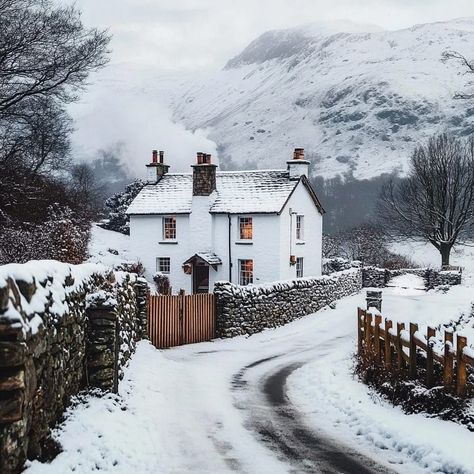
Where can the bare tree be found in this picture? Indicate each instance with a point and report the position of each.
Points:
(436, 200)
(45, 51)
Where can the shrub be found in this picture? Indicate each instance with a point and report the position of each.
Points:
(162, 283)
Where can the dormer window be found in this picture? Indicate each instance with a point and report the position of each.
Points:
(299, 227)
(245, 228)
(169, 228)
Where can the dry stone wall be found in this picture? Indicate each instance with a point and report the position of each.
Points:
(379, 277)
(63, 328)
(251, 309)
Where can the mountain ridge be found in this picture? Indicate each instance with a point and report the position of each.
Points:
(357, 102)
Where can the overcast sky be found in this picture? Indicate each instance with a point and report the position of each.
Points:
(156, 38)
(195, 34)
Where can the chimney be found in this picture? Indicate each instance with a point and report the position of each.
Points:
(298, 166)
(204, 175)
(157, 168)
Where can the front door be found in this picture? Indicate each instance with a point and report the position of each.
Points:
(200, 278)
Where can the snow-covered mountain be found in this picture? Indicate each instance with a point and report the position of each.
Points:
(355, 97)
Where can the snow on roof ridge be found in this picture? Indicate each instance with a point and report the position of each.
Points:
(279, 170)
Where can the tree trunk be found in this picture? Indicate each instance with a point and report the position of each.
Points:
(445, 250)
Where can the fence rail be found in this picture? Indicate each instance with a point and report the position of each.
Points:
(174, 320)
(391, 346)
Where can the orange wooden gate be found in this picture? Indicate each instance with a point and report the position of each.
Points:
(181, 319)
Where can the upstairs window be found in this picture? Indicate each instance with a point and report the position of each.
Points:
(169, 228)
(299, 267)
(299, 227)
(163, 264)
(245, 228)
(246, 272)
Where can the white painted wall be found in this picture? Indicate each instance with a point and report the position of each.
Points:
(146, 235)
(311, 250)
(201, 231)
(263, 249)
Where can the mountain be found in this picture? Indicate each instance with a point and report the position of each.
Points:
(357, 98)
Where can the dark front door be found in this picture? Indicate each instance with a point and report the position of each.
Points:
(200, 278)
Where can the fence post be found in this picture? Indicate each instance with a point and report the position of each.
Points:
(378, 321)
(400, 362)
(412, 367)
(360, 319)
(181, 316)
(448, 360)
(388, 345)
(461, 373)
(429, 357)
(368, 335)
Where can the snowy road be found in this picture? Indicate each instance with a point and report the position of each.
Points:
(283, 401)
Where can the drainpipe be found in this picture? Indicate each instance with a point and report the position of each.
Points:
(292, 231)
(230, 248)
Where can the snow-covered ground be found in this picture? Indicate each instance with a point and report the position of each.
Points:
(108, 247)
(215, 407)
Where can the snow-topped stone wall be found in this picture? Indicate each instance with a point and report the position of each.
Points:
(63, 328)
(379, 277)
(251, 309)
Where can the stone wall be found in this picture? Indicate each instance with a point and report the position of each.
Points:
(248, 310)
(63, 328)
(379, 277)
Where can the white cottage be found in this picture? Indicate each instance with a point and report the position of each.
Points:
(241, 226)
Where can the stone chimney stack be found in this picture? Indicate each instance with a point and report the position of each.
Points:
(157, 168)
(204, 175)
(298, 166)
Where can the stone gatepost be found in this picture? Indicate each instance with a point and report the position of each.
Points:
(102, 351)
(374, 299)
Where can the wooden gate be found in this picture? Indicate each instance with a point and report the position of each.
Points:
(181, 319)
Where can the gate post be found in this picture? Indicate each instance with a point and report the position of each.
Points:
(181, 316)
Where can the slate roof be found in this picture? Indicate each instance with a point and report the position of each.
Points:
(238, 192)
(209, 257)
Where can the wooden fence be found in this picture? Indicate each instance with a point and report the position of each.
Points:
(174, 320)
(390, 347)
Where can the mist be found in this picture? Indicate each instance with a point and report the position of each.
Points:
(126, 106)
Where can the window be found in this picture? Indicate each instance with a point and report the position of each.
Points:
(163, 264)
(299, 227)
(246, 272)
(169, 228)
(299, 267)
(245, 228)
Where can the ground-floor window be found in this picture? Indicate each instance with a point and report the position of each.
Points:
(163, 264)
(299, 267)
(246, 272)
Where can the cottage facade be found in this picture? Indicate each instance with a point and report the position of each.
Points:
(247, 227)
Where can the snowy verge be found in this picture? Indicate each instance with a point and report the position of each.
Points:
(331, 399)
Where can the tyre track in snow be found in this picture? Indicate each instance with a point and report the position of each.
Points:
(277, 424)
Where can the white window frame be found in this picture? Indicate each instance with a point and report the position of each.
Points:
(239, 228)
(300, 227)
(299, 267)
(164, 227)
(167, 263)
(246, 277)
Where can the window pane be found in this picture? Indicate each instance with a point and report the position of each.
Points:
(299, 227)
(169, 228)
(299, 267)
(246, 228)
(163, 264)
(246, 272)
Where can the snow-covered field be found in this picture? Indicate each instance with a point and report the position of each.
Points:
(108, 247)
(203, 408)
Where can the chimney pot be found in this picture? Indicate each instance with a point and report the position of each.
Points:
(155, 156)
(162, 156)
(298, 154)
(199, 157)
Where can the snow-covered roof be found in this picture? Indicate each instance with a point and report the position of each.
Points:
(209, 257)
(242, 192)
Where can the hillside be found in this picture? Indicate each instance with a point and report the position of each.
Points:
(358, 99)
